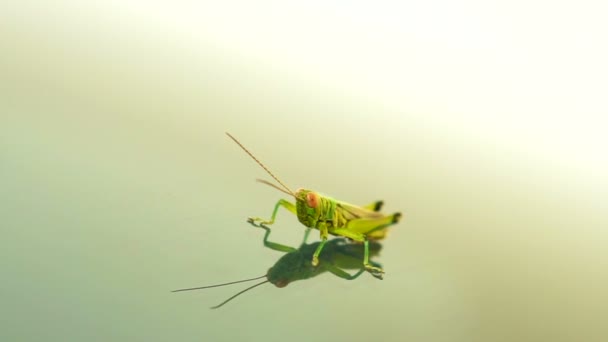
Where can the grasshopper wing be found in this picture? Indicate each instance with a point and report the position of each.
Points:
(353, 212)
(370, 223)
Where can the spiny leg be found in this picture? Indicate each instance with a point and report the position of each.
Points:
(374, 206)
(273, 245)
(375, 271)
(346, 232)
(366, 226)
(284, 203)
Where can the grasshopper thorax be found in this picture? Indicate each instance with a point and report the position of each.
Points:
(308, 207)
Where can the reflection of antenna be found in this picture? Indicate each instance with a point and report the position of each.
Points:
(236, 295)
(260, 163)
(218, 285)
(224, 284)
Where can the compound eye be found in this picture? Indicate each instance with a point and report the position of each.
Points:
(312, 199)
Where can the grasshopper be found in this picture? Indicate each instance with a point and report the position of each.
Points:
(330, 216)
(338, 256)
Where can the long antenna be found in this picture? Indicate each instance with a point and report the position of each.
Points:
(224, 284)
(272, 185)
(260, 163)
(236, 295)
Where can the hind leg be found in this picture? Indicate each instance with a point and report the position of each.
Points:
(377, 272)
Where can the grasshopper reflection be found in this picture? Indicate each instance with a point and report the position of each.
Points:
(338, 256)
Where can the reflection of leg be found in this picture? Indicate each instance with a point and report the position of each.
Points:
(341, 273)
(273, 245)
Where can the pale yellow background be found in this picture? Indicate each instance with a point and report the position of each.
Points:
(484, 122)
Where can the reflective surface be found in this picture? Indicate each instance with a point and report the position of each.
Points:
(118, 184)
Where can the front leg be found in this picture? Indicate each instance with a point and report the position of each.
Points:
(324, 234)
(308, 229)
(284, 203)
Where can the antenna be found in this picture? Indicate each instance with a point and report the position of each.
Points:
(262, 165)
(272, 185)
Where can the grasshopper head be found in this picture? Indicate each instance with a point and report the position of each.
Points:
(289, 268)
(308, 205)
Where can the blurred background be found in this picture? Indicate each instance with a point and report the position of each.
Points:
(484, 123)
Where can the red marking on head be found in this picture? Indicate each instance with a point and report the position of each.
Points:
(312, 199)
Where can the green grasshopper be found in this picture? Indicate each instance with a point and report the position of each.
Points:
(339, 255)
(330, 216)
